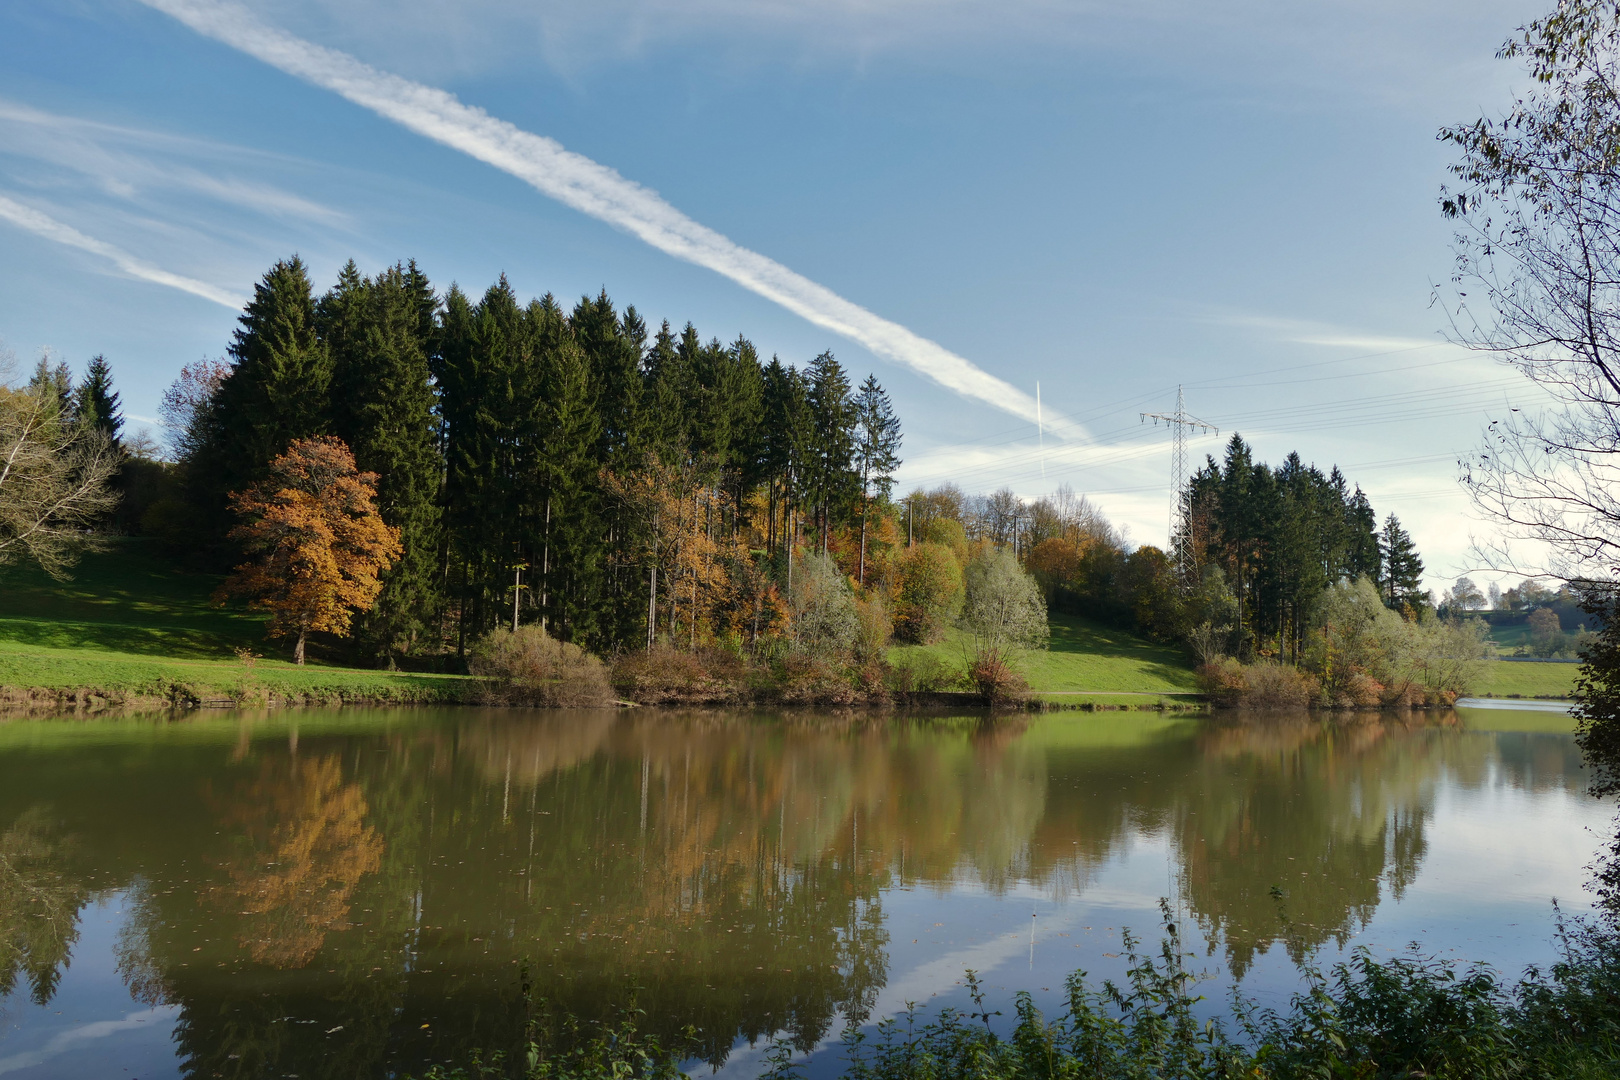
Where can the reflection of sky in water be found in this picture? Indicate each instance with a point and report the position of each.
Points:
(91, 1021)
(1503, 833)
(1497, 857)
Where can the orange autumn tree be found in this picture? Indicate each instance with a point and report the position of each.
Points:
(316, 544)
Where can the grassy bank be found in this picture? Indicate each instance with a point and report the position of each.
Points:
(1084, 656)
(1508, 678)
(131, 628)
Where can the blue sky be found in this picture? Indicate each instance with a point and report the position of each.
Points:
(1108, 198)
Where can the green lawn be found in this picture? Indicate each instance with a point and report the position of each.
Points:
(130, 624)
(1083, 656)
(1510, 679)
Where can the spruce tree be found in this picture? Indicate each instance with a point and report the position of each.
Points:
(1402, 583)
(95, 402)
(56, 381)
(565, 535)
(276, 391)
(1362, 555)
(877, 449)
(668, 384)
(785, 438)
(383, 408)
(830, 480)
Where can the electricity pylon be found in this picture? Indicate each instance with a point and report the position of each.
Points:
(1179, 422)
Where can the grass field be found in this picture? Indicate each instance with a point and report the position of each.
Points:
(1083, 656)
(1510, 679)
(128, 624)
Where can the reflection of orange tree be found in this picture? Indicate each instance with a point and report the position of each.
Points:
(39, 904)
(302, 848)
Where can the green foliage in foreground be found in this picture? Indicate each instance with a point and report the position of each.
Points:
(1080, 655)
(1406, 1017)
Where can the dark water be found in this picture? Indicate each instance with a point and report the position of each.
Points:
(358, 893)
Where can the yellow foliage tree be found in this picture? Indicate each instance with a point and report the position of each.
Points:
(317, 546)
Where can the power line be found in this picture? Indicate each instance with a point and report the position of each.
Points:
(1179, 422)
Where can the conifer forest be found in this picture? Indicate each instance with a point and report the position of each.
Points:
(618, 485)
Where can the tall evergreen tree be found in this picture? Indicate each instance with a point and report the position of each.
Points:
(829, 479)
(877, 449)
(786, 436)
(1362, 555)
(668, 389)
(564, 535)
(55, 380)
(383, 408)
(277, 391)
(1402, 583)
(95, 402)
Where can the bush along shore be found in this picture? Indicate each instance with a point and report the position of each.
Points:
(1366, 1018)
(1361, 655)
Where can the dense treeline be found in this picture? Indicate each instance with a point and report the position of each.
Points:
(510, 439)
(1281, 536)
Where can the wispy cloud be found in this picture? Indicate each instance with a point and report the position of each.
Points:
(594, 189)
(41, 224)
(125, 161)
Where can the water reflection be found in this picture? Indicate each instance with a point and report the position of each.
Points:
(342, 898)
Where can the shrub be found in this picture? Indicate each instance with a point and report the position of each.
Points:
(923, 673)
(1222, 681)
(807, 679)
(1003, 608)
(873, 627)
(1262, 685)
(930, 593)
(825, 623)
(666, 675)
(994, 677)
(527, 666)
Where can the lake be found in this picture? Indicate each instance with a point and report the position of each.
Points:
(358, 892)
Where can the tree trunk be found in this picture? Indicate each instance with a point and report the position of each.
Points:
(652, 608)
(298, 649)
(863, 542)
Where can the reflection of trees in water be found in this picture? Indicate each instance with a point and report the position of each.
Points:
(727, 870)
(39, 904)
(301, 845)
(1327, 814)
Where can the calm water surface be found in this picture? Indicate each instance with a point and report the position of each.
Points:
(358, 893)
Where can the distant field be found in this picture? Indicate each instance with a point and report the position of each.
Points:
(130, 624)
(1510, 679)
(1083, 655)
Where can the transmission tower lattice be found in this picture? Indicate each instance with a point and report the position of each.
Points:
(1179, 422)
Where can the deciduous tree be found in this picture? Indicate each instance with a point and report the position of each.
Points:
(317, 547)
(55, 479)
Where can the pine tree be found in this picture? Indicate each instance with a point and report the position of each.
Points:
(1402, 583)
(95, 402)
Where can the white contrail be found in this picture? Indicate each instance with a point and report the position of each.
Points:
(40, 224)
(593, 189)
